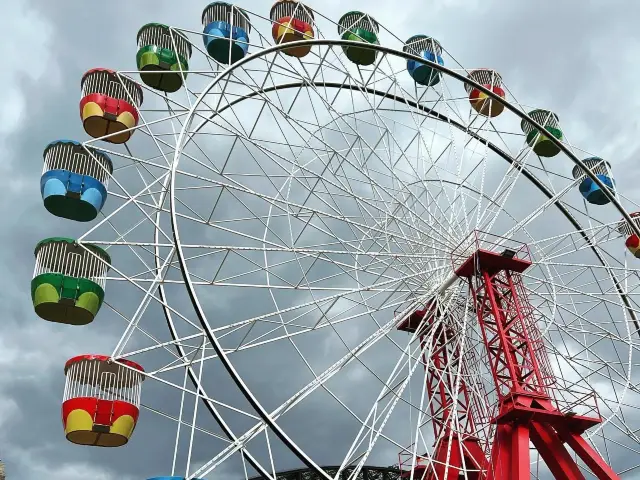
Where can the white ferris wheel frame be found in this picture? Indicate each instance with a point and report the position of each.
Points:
(184, 137)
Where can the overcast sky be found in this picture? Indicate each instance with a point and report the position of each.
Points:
(579, 57)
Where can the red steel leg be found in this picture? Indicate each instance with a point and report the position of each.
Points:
(554, 453)
(588, 455)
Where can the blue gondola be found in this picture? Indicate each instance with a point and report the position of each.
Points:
(429, 49)
(74, 181)
(226, 32)
(588, 188)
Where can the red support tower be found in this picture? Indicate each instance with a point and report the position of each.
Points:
(456, 450)
(527, 410)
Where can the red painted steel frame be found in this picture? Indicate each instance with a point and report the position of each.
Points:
(455, 451)
(519, 364)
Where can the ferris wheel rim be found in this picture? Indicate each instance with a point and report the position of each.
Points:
(193, 376)
(244, 389)
(441, 68)
(444, 118)
(183, 261)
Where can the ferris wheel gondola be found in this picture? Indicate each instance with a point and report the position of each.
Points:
(359, 27)
(69, 281)
(589, 190)
(431, 50)
(163, 57)
(226, 32)
(101, 400)
(537, 140)
(480, 101)
(292, 21)
(75, 180)
(109, 105)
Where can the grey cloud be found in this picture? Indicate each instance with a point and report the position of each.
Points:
(585, 78)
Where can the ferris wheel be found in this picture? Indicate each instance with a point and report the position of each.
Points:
(322, 244)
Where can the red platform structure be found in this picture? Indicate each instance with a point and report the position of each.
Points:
(530, 406)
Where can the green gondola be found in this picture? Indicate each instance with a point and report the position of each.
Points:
(163, 57)
(69, 281)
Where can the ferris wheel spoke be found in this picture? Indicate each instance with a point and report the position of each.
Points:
(132, 199)
(133, 161)
(262, 340)
(143, 128)
(154, 206)
(402, 153)
(318, 382)
(157, 344)
(573, 241)
(569, 291)
(460, 175)
(573, 276)
(595, 330)
(344, 158)
(394, 218)
(402, 184)
(322, 256)
(504, 190)
(577, 364)
(137, 316)
(579, 348)
(283, 205)
(501, 135)
(142, 331)
(563, 245)
(184, 423)
(329, 298)
(364, 302)
(201, 396)
(458, 197)
(451, 101)
(183, 342)
(147, 291)
(374, 433)
(521, 225)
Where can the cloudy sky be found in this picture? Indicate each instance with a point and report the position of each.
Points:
(578, 57)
